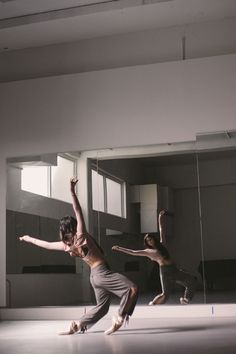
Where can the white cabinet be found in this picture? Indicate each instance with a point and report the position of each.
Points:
(152, 199)
(148, 208)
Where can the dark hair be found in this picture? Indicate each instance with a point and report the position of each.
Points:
(152, 237)
(157, 245)
(68, 227)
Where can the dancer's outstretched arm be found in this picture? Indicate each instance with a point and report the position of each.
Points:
(56, 246)
(130, 251)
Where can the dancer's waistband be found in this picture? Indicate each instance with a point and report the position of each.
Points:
(100, 267)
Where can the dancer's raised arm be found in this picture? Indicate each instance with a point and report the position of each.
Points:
(81, 228)
(160, 223)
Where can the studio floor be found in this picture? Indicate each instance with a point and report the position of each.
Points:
(167, 329)
(142, 335)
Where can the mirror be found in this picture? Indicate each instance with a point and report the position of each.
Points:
(120, 190)
(216, 155)
(164, 179)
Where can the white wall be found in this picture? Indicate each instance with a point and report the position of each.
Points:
(152, 104)
(120, 107)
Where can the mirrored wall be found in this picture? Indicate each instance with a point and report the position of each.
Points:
(121, 192)
(155, 178)
(216, 155)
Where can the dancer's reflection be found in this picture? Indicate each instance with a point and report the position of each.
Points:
(76, 241)
(169, 273)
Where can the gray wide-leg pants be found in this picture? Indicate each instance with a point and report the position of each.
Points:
(105, 282)
(170, 274)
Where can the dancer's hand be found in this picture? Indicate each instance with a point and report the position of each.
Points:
(166, 212)
(25, 238)
(73, 182)
(115, 248)
(162, 212)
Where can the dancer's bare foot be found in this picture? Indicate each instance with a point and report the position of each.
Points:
(184, 301)
(74, 328)
(117, 322)
(158, 300)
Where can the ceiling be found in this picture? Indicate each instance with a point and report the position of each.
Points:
(34, 23)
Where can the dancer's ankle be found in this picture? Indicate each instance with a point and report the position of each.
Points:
(120, 319)
(117, 322)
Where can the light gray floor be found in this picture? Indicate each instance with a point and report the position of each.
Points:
(141, 336)
(211, 335)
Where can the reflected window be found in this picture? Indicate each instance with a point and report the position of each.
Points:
(114, 200)
(97, 192)
(108, 194)
(49, 181)
(34, 179)
(60, 175)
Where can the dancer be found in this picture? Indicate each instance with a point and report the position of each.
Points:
(76, 241)
(169, 273)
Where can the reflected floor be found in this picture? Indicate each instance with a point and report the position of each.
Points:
(211, 297)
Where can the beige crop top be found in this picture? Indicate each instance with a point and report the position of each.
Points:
(87, 248)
